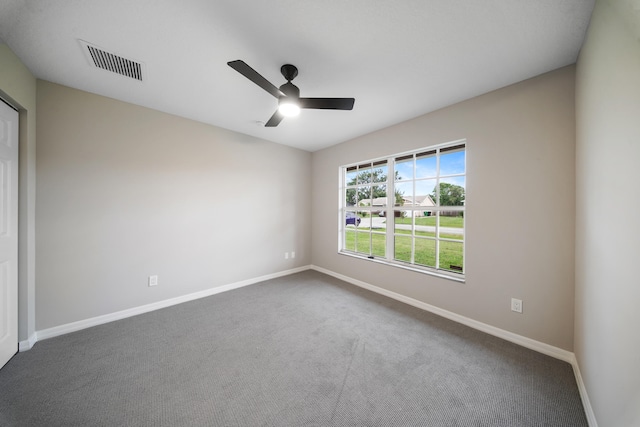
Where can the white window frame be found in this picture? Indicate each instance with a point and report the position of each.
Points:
(390, 215)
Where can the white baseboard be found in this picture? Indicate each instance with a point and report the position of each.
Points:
(538, 346)
(28, 343)
(99, 320)
(588, 409)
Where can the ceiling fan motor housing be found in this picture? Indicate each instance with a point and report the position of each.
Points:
(290, 90)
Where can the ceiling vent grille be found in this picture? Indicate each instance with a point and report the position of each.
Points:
(100, 58)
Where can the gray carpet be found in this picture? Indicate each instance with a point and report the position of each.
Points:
(303, 350)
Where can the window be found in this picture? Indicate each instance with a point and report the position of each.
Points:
(407, 209)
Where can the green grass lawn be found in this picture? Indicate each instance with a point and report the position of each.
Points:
(431, 234)
(445, 221)
(451, 253)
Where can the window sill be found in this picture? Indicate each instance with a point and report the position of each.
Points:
(460, 278)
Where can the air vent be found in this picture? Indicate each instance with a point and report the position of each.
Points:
(109, 61)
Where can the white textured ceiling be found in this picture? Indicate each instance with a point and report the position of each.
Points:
(398, 58)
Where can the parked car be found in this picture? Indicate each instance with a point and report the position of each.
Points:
(353, 219)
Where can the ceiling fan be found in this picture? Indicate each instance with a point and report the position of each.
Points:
(289, 101)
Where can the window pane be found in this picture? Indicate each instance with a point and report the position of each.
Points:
(377, 222)
(351, 176)
(405, 192)
(364, 174)
(451, 256)
(404, 168)
(425, 192)
(364, 223)
(460, 181)
(452, 191)
(425, 224)
(379, 196)
(350, 197)
(350, 240)
(379, 243)
(426, 166)
(352, 219)
(380, 173)
(425, 252)
(402, 248)
(451, 225)
(364, 196)
(362, 242)
(452, 162)
(403, 223)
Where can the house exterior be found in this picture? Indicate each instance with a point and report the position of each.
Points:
(423, 201)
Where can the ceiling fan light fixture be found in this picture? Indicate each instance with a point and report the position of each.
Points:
(288, 95)
(288, 107)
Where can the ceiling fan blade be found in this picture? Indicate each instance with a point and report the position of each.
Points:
(242, 67)
(327, 103)
(274, 120)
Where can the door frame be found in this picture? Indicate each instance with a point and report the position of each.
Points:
(9, 238)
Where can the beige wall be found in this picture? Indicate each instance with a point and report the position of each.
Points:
(18, 87)
(520, 207)
(125, 192)
(607, 343)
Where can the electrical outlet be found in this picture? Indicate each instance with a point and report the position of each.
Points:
(516, 305)
(293, 254)
(286, 255)
(153, 280)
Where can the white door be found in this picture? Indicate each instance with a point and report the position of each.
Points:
(8, 233)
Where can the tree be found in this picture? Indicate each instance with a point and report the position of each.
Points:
(450, 194)
(373, 191)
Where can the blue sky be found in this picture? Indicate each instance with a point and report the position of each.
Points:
(426, 170)
(426, 167)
